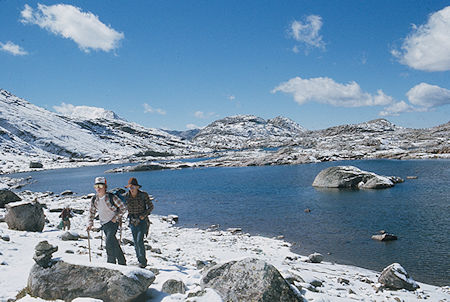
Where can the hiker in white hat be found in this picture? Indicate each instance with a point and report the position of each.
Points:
(110, 211)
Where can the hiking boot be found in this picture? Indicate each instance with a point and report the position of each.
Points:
(142, 265)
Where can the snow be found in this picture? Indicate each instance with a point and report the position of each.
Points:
(180, 250)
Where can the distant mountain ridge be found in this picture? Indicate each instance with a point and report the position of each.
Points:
(248, 131)
(31, 133)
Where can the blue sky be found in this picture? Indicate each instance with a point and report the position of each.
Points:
(183, 64)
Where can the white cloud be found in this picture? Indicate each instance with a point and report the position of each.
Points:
(150, 109)
(84, 112)
(327, 91)
(68, 21)
(232, 97)
(428, 96)
(422, 97)
(203, 115)
(307, 32)
(12, 48)
(397, 108)
(428, 46)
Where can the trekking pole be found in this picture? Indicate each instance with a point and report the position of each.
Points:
(89, 246)
(101, 239)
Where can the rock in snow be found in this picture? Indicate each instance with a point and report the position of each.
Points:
(25, 216)
(395, 277)
(249, 280)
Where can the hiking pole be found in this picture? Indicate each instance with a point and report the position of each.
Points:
(101, 239)
(89, 246)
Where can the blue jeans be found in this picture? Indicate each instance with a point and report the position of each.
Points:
(138, 232)
(113, 250)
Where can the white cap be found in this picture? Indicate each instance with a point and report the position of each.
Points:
(100, 180)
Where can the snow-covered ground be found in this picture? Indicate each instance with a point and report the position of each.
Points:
(175, 252)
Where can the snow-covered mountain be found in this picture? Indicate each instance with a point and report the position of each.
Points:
(248, 131)
(30, 132)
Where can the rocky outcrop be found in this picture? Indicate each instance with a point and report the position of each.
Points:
(351, 177)
(7, 196)
(249, 280)
(52, 279)
(315, 258)
(395, 277)
(25, 216)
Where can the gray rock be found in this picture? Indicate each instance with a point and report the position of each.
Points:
(7, 196)
(384, 237)
(172, 286)
(249, 280)
(43, 253)
(36, 165)
(25, 216)
(66, 192)
(352, 178)
(395, 276)
(67, 281)
(315, 258)
(69, 236)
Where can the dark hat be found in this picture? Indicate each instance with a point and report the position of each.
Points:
(133, 182)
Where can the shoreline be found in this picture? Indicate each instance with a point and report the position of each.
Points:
(175, 252)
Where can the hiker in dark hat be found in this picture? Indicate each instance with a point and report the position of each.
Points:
(139, 205)
(110, 210)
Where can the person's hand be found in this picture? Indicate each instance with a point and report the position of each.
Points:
(142, 217)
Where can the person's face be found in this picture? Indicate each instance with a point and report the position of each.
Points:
(100, 188)
(134, 189)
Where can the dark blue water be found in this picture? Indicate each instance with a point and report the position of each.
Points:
(271, 200)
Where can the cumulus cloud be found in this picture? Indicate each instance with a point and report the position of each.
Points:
(428, 96)
(84, 112)
(307, 32)
(326, 91)
(68, 21)
(150, 109)
(428, 46)
(422, 97)
(12, 48)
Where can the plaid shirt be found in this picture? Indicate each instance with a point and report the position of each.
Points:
(116, 205)
(141, 205)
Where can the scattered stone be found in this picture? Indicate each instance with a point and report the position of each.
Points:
(234, 231)
(343, 281)
(197, 294)
(127, 241)
(316, 283)
(307, 210)
(172, 286)
(67, 281)
(69, 236)
(70, 252)
(67, 192)
(249, 280)
(395, 277)
(5, 238)
(315, 258)
(25, 216)
(173, 219)
(43, 253)
(384, 237)
(7, 196)
(156, 251)
(36, 165)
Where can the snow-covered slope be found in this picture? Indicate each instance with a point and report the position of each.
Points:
(248, 131)
(30, 132)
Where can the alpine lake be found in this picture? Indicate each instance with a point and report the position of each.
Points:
(271, 201)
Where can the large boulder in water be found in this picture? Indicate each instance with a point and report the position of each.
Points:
(7, 196)
(353, 178)
(249, 280)
(25, 216)
(67, 281)
(395, 277)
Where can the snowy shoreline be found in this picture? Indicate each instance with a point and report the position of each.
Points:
(175, 253)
